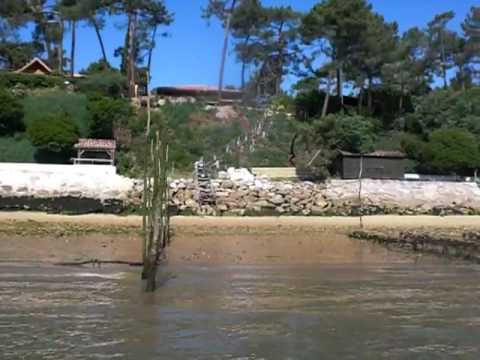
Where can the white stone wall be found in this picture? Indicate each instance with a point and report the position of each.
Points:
(244, 195)
(53, 181)
(409, 194)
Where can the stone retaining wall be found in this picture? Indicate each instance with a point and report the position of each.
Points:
(82, 189)
(336, 197)
(66, 188)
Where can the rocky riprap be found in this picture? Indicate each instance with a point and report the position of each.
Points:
(460, 244)
(260, 196)
(80, 189)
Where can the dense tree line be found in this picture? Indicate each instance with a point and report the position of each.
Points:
(362, 84)
(417, 88)
(52, 20)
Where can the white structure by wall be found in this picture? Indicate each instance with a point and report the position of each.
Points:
(52, 181)
(60, 169)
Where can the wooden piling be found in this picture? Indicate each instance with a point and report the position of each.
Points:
(155, 216)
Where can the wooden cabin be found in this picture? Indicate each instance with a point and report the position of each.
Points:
(375, 165)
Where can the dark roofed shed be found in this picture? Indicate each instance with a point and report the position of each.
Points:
(376, 165)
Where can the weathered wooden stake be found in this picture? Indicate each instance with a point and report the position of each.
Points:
(360, 203)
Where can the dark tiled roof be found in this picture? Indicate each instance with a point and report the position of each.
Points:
(377, 153)
(96, 144)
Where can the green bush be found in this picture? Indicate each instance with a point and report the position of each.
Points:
(11, 114)
(54, 102)
(96, 67)
(16, 149)
(53, 136)
(31, 81)
(446, 151)
(106, 83)
(107, 112)
(453, 151)
(445, 109)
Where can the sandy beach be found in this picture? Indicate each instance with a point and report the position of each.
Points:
(44, 238)
(390, 221)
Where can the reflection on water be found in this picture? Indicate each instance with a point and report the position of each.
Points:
(427, 310)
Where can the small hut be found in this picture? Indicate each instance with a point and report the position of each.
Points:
(95, 151)
(375, 165)
(36, 66)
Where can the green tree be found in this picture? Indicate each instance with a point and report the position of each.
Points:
(445, 109)
(106, 113)
(142, 15)
(54, 136)
(248, 18)
(336, 28)
(274, 51)
(223, 10)
(376, 48)
(11, 114)
(406, 72)
(454, 151)
(72, 11)
(441, 45)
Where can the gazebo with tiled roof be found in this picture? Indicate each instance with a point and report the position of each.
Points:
(95, 151)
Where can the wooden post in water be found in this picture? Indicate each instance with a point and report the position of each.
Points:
(156, 223)
(156, 217)
(360, 202)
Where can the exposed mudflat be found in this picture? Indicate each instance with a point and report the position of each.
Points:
(38, 237)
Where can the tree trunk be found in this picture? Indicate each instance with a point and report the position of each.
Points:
(340, 86)
(72, 50)
(360, 101)
(60, 47)
(400, 104)
(444, 63)
(462, 77)
(370, 96)
(130, 62)
(326, 100)
(244, 70)
(244, 64)
(225, 49)
(99, 37)
(150, 51)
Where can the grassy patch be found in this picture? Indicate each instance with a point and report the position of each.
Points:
(16, 149)
(48, 102)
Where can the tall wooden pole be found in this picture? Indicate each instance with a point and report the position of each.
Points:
(360, 205)
(225, 49)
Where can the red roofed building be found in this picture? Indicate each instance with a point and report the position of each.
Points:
(197, 92)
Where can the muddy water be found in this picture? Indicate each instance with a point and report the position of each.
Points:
(411, 309)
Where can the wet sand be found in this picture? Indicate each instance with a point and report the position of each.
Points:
(390, 221)
(38, 237)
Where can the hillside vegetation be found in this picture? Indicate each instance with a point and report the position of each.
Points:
(362, 85)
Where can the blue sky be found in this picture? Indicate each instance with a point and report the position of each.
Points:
(191, 52)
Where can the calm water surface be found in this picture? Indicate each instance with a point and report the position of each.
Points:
(413, 310)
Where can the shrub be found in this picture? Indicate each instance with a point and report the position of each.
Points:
(447, 151)
(105, 113)
(54, 136)
(11, 114)
(106, 83)
(445, 109)
(356, 133)
(16, 149)
(31, 81)
(453, 150)
(99, 66)
(48, 102)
